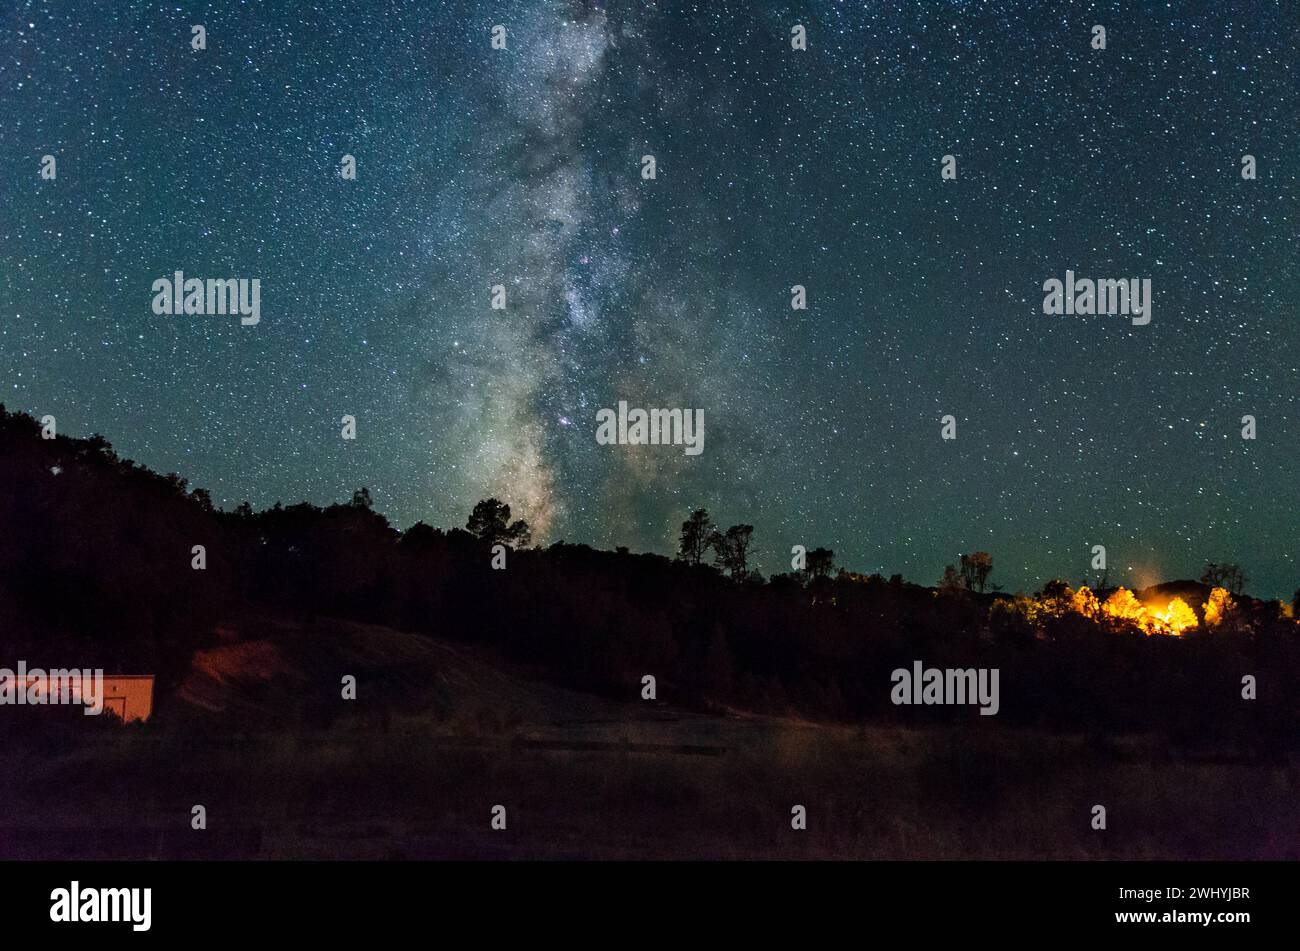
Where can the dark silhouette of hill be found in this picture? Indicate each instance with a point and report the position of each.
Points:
(96, 570)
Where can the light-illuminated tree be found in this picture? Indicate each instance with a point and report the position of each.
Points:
(1218, 608)
(1085, 602)
(1123, 605)
(1056, 597)
(1179, 616)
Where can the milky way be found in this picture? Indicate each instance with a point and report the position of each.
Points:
(521, 167)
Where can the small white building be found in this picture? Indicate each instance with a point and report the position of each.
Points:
(129, 696)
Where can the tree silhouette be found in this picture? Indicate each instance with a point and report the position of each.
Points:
(975, 570)
(595, 619)
(1057, 597)
(1226, 575)
(820, 562)
(731, 550)
(951, 582)
(100, 446)
(695, 538)
(490, 522)
(420, 536)
(361, 499)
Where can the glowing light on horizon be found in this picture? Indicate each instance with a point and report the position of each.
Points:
(1176, 617)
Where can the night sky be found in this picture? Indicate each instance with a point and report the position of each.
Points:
(775, 167)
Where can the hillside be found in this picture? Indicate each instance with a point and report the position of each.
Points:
(522, 687)
(98, 567)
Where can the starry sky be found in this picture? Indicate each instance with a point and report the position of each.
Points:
(775, 167)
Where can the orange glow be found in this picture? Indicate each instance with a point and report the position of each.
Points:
(128, 697)
(1122, 610)
(1123, 605)
(1085, 602)
(1176, 617)
(1218, 607)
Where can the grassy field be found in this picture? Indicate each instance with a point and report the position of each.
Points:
(439, 735)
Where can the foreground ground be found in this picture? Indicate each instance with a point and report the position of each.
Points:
(439, 735)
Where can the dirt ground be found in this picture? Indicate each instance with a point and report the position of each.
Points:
(438, 736)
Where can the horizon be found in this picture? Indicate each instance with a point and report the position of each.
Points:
(399, 528)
